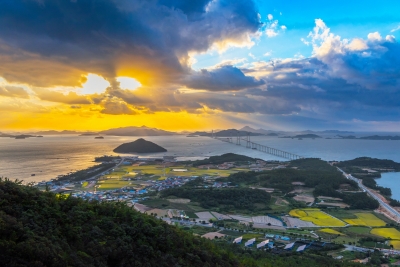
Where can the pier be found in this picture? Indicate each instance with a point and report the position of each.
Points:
(262, 148)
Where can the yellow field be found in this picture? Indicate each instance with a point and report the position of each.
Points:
(159, 171)
(391, 233)
(317, 217)
(330, 231)
(395, 243)
(366, 219)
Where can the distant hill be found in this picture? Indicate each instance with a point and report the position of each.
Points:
(52, 132)
(228, 157)
(303, 136)
(259, 131)
(136, 131)
(139, 146)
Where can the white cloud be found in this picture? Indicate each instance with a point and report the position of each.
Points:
(283, 28)
(357, 44)
(271, 33)
(270, 17)
(396, 29)
(374, 36)
(252, 56)
(390, 38)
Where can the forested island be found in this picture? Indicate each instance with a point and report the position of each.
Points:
(139, 146)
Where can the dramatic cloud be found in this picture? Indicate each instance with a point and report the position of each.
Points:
(106, 37)
(53, 96)
(224, 78)
(372, 63)
(13, 91)
(114, 106)
(343, 80)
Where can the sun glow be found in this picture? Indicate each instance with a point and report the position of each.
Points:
(128, 83)
(94, 84)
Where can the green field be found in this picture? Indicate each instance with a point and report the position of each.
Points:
(158, 170)
(110, 184)
(317, 217)
(357, 230)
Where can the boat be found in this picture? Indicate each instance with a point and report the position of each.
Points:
(33, 174)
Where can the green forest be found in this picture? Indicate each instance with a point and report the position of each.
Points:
(314, 173)
(44, 229)
(225, 199)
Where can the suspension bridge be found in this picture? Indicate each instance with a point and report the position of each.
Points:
(238, 140)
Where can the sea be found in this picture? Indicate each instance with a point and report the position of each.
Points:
(49, 156)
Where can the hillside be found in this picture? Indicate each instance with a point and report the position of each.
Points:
(43, 229)
(228, 157)
(139, 146)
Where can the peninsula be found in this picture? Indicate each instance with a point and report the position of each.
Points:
(139, 146)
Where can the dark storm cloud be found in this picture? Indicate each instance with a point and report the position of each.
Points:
(225, 78)
(103, 36)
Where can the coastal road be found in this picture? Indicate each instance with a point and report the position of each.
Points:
(373, 195)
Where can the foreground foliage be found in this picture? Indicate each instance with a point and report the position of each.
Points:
(44, 229)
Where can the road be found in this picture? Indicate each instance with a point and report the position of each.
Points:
(97, 175)
(373, 195)
(361, 249)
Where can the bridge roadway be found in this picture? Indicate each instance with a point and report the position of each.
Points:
(373, 195)
(259, 147)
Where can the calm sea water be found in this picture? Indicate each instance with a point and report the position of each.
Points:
(50, 156)
(391, 180)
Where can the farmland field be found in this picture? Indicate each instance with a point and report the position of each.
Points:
(395, 244)
(366, 219)
(317, 217)
(330, 231)
(386, 233)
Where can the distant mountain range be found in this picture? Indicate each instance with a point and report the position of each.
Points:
(136, 131)
(148, 131)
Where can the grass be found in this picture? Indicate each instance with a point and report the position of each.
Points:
(357, 230)
(341, 214)
(191, 214)
(317, 217)
(250, 236)
(366, 219)
(331, 231)
(390, 233)
(231, 233)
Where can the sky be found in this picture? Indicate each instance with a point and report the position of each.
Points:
(200, 64)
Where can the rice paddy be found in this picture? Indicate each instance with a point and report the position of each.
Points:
(395, 244)
(317, 217)
(366, 219)
(390, 233)
(330, 231)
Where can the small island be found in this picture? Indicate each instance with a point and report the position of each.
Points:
(139, 146)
